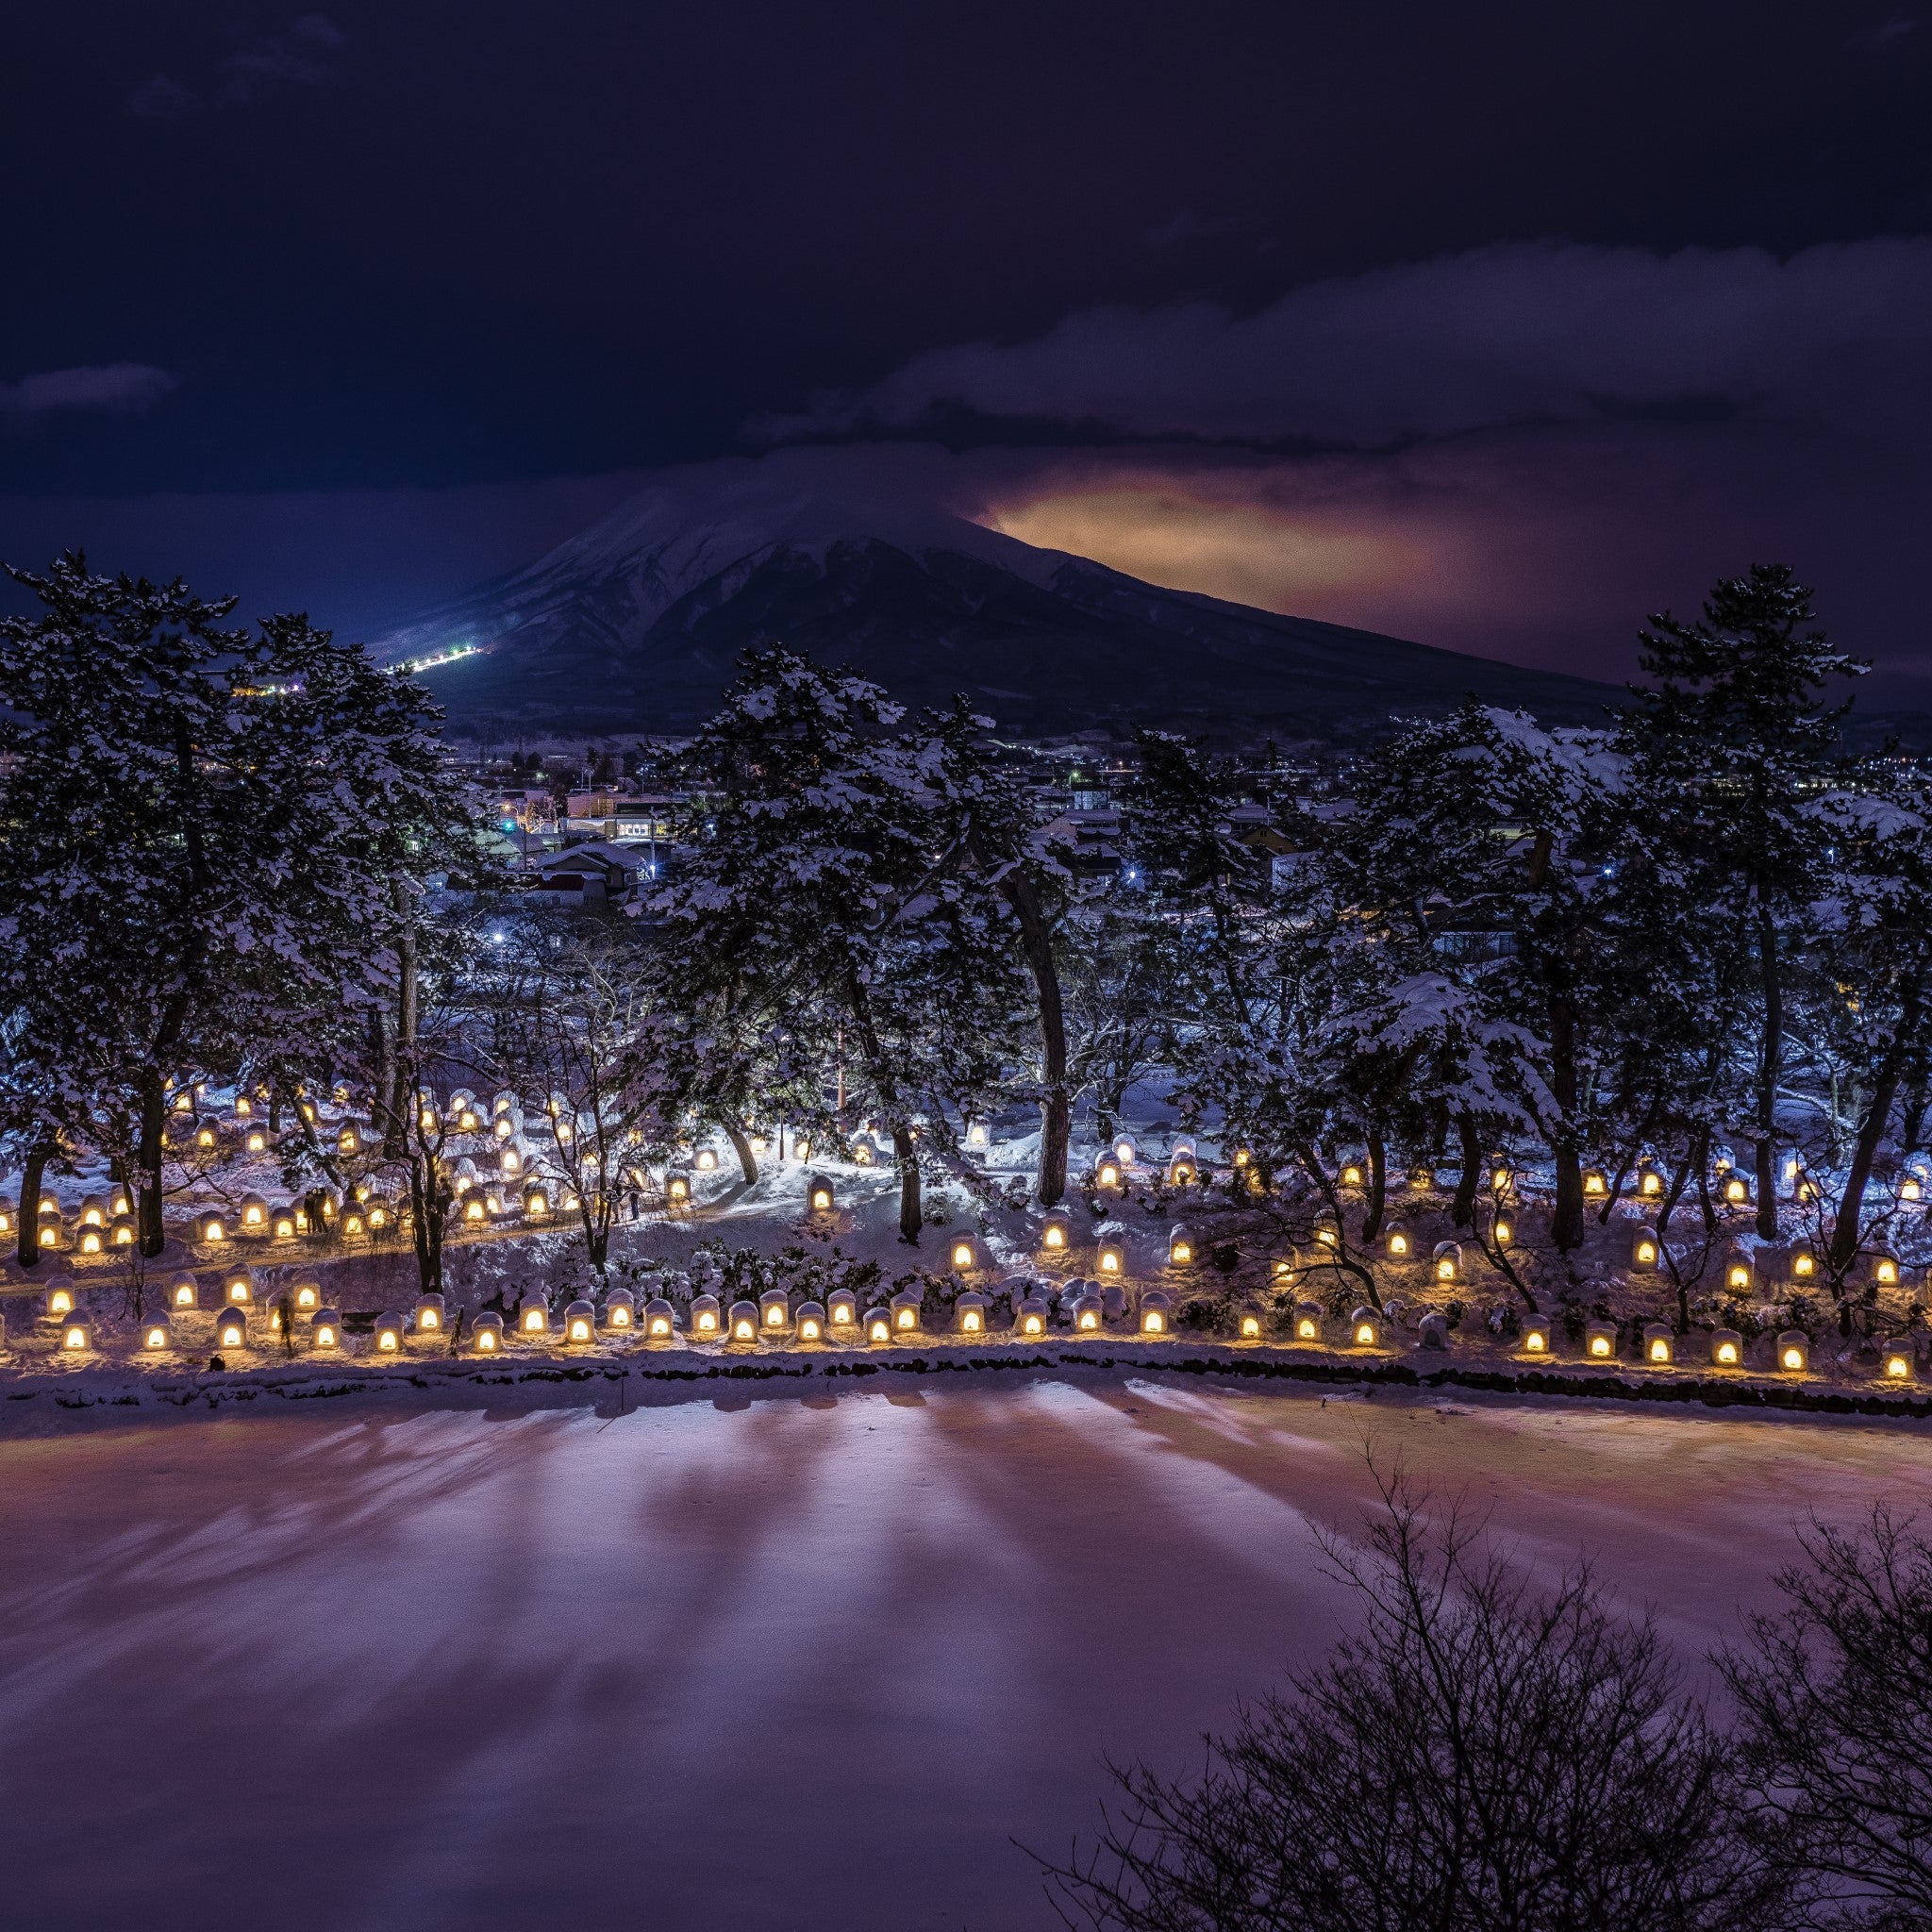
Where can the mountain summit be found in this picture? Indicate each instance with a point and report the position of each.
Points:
(635, 624)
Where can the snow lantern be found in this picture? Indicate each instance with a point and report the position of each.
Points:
(1737, 1271)
(1794, 1351)
(60, 1296)
(1108, 1174)
(306, 1294)
(1111, 1259)
(475, 1209)
(254, 1217)
(536, 1201)
(706, 1161)
(1399, 1245)
(76, 1334)
(1447, 1263)
(906, 1307)
(1650, 1184)
(1896, 1365)
(389, 1334)
(774, 1311)
(486, 1334)
(660, 1319)
(977, 1138)
(183, 1290)
(94, 1212)
(1600, 1340)
(285, 1224)
(1644, 1251)
(1423, 1179)
(237, 1285)
(1433, 1330)
(533, 1313)
(965, 1254)
(1351, 1173)
(501, 1103)
(1727, 1348)
(812, 1322)
(205, 1138)
(741, 1323)
(1183, 1171)
(1056, 1235)
(156, 1334)
(1595, 1183)
(1155, 1314)
(1030, 1316)
(1249, 1327)
(677, 1190)
(1736, 1190)
(842, 1307)
(120, 1231)
(509, 1161)
(1804, 1262)
(1365, 1328)
(1884, 1269)
(430, 1314)
(1911, 1188)
(969, 1313)
(1659, 1344)
(818, 1194)
(620, 1311)
(231, 1327)
(1124, 1150)
(1282, 1268)
(1307, 1321)
(580, 1323)
(89, 1242)
(1539, 1335)
(50, 1226)
(878, 1325)
(349, 1137)
(1087, 1314)
(1180, 1247)
(210, 1225)
(705, 1318)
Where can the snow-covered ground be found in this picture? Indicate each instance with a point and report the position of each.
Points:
(760, 1659)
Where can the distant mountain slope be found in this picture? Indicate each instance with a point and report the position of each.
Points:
(635, 625)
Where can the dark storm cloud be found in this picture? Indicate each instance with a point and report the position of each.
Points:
(1501, 337)
(304, 55)
(113, 387)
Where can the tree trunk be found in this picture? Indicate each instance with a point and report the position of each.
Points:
(28, 1247)
(747, 1162)
(1846, 1234)
(1566, 1223)
(1462, 1212)
(1377, 1202)
(1769, 1062)
(910, 1214)
(1056, 1105)
(402, 1100)
(148, 1195)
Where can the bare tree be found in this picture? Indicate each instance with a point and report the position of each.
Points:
(1835, 1693)
(1485, 1752)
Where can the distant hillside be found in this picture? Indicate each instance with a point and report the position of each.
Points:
(635, 625)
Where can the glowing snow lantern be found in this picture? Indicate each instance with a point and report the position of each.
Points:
(61, 1297)
(155, 1333)
(1155, 1318)
(1794, 1351)
(237, 1286)
(1108, 1175)
(430, 1314)
(1804, 1263)
(1738, 1273)
(486, 1334)
(842, 1306)
(1884, 1269)
(1182, 1171)
(1595, 1183)
(660, 1319)
(1499, 1180)
(349, 1137)
(1448, 1261)
(1727, 1348)
(969, 1310)
(184, 1102)
(1056, 1234)
(76, 1334)
(1650, 1184)
(976, 1136)
(1087, 1310)
(1736, 1190)
(243, 1107)
(1180, 1247)
(1659, 1344)
(811, 1322)
(231, 1328)
(878, 1325)
(305, 1294)
(1250, 1327)
(706, 1161)
(620, 1311)
(1365, 1328)
(580, 1323)
(1124, 1150)
(533, 1314)
(964, 1253)
(1398, 1245)
(1539, 1335)
(89, 1240)
(743, 1322)
(183, 1290)
(677, 1190)
(774, 1310)
(1351, 1175)
(1911, 1189)
(536, 1201)
(50, 1235)
(1423, 1179)
(388, 1335)
(93, 1212)
(354, 1223)
(509, 1163)
(819, 1196)
(1504, 1234)
(253, 1215)
(705, 1319)
(285, 1228)
(1031, 1316)
(906, 1307)
(1898, 1365)
(1282, 1268)
(210, 1228)
(1112, 1259)
(205, 1138)
(862, 1153)
(504, 1127)
(1600, 1340)
(1644, 1251)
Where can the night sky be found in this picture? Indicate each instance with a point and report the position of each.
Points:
(1493, 324)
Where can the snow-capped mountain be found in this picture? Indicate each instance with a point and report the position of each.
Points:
(635, 626)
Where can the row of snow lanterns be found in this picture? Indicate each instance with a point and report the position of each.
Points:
(1183, 1162)
(1661, 1344)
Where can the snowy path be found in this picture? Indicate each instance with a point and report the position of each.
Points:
(760, 1663)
